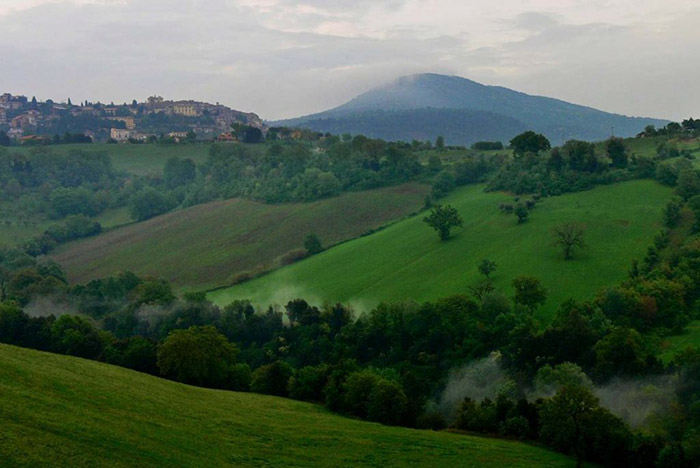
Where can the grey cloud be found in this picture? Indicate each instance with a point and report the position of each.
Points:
(534, 20)
(275, 62)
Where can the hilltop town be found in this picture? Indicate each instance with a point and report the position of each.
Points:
(26, 119)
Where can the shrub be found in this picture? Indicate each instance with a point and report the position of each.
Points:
(198, 355)
(272, 379)
(290, 257)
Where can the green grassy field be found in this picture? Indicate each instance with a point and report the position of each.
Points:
(144, 159)
(15, 230)
(63, 411)
(407, 261)
(134, 159)
(208, 245)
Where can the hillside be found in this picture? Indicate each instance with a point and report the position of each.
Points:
(424, 106)
(146, 159)
(407, 261)
(208, 245)
(463, 126)
(63, 411)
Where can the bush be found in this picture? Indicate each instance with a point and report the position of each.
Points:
(290, 257)
(312, 244)
(272, 379)
(487, 145)
(387, 403)
(240, 378)
(148, 203)
(69, 201)
(198, 355)
(308, 383)
(357, 389)
(76, 336)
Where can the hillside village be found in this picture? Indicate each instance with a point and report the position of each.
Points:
(29, 120)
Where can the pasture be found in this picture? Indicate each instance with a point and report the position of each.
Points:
(407, 261)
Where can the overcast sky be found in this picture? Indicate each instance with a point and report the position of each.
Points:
(284, 58)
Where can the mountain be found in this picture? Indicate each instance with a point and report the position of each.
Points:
(464, 111)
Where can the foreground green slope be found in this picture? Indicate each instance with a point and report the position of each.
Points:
(408, 262)
(209, 245)
(63, 411)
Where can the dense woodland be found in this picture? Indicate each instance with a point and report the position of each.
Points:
(394, 363)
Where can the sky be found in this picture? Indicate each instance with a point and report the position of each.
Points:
(285, 58)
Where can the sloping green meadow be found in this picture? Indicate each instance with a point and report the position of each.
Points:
(62, 411)
(209, 245)
(407, 261)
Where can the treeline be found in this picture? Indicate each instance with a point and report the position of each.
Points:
(44, 183)
(579, 165)
(73, 186)
(391, 364)
(284, 173)
(687, 128)
(58, 185)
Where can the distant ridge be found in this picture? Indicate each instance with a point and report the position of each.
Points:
(464, 111)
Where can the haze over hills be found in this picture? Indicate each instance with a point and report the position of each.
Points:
(463, 111)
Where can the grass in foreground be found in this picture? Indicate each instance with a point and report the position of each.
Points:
(208, 245)
(407, 261)
(63, 411)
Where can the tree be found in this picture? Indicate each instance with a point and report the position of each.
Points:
(522, 213)
(567, 417)
(153, 291)
(577, 153)
(148, 203)
(443, 184)
(198, 355)
(272, 379)
(387, 403)
(529, 142)
(617, 152)
(621, 352)
(71, 334)
(672, 213)
(66, 201)
(312, 244)
(440, 143)
(179, 172)
(529, 292)
(486, 267)
(443, 219)
(569, 236)
(688, 184)
(252, 135)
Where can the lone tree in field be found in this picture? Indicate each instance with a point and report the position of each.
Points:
(312, 244)
(486, 267)
(570, 237)
(443, 219)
